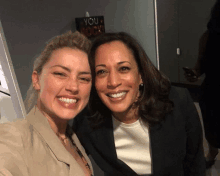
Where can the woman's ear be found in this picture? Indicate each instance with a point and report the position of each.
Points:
(35, 80)
(141, 81)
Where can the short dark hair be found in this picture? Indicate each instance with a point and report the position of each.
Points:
(153, 103)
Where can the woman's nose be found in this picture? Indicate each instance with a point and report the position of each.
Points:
(72, 85)
(113, 80)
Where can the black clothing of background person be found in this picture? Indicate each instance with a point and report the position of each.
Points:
(211, 87)
(207, 63)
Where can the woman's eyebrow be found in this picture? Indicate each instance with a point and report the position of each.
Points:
(65, 68)
(123, 62)
(100, 65)
(84, 73)
(119, 63)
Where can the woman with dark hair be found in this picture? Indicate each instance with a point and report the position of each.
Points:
(140, 125)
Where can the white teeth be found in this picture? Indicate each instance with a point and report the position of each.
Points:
(67, 100)
(117, 95)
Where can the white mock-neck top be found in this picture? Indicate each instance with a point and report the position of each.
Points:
(132, 145)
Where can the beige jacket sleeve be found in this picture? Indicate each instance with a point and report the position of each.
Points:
(11, 151)
(29, 147)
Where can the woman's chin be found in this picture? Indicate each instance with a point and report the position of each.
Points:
(66, 115)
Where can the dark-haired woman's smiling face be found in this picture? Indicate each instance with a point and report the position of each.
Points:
(117, 77)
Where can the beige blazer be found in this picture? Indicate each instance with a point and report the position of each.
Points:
(29, 147)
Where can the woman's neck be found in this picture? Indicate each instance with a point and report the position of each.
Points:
(58, 125)
(129, 116)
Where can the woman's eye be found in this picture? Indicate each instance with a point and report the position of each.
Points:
(99, 72)
(59, 74)
(86, 79)
(124, 68)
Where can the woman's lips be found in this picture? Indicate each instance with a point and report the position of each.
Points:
(69, 103)
(117, 96)
(68, 100)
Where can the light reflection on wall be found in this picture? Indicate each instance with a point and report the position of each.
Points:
(3, 79)
(7, 112)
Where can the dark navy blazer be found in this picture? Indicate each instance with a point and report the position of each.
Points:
(176, 144)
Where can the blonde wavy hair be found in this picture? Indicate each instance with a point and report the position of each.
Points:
(74, 40)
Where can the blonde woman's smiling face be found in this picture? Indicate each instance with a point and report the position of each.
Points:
(64, 84)
(117, 77)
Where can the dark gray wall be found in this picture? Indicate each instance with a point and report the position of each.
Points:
(28, 24)
(181, 23)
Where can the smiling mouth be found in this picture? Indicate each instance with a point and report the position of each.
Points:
(67, 100)
(117, 95)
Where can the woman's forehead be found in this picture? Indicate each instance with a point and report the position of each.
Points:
(115, 51)
(68, 57)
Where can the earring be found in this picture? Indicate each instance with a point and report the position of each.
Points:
(141, 84)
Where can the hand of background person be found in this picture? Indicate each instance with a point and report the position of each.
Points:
(191, 77)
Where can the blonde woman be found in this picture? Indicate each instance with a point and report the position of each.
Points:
(43, 144)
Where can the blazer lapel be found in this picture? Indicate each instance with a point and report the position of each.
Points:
(158, 146)
(40, 123)
(104, 137)
(77, 142)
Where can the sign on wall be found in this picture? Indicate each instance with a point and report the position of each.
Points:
(90, 26)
